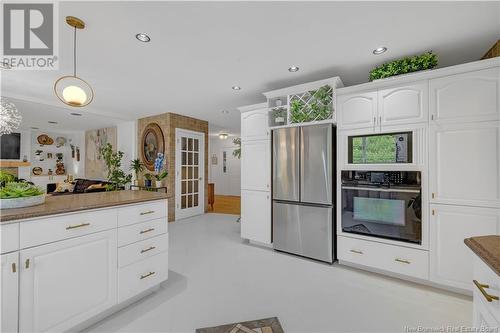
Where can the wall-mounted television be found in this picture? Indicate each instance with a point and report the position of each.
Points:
(10, 146)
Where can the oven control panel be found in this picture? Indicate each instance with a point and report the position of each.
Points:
(384, 178)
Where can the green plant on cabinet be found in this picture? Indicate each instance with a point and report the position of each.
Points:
(314, 105)
(427, 60)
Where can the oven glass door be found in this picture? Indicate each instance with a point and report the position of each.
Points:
(382, 212)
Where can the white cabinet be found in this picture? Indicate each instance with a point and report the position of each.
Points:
(254, 125)
(471, 96)
(403, 104)
(357, 110)
(481, 318)
(9, 289)
(256, 165)
(65, 283)
(450, 259)
(464, 164)
(256, 216)
(486, 286)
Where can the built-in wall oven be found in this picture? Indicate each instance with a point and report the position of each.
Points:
(383, 204)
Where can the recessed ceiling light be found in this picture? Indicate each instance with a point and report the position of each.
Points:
(225, 112)
(143, 37)
(75, 114)
(379, 50)
(293, 69)
(236, 87)
(52, 122)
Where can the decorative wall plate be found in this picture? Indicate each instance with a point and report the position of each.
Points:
(60, 141)
(44, 139)
(37, 171)
(152, 143)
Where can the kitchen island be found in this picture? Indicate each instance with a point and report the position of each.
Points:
(486, 281)
(77, 258)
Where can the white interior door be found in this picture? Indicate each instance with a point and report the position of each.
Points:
(189, 173)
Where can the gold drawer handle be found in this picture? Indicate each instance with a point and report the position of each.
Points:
(147, 230)
(148, 249)
(148, 212)
(14, 267)
(403, 261)
(27, 263)
(481, 288)
(147, 275)
(357, 251)
(77, 226)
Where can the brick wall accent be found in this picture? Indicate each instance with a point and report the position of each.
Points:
(168, 122)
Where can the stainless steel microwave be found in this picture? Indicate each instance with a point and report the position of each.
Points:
(381, 148)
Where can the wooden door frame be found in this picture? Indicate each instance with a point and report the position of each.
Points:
(179, 214)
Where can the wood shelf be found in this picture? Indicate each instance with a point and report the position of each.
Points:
(13, 164)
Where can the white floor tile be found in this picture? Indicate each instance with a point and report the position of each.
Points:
(215, 279)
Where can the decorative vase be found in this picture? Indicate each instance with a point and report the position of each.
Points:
(147, 182)
(158, 183)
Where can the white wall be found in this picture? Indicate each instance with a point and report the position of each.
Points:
(126, 140)
(228, 183)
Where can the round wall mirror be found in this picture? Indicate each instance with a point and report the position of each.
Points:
(152, 144)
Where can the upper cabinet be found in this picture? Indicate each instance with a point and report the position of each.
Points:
(405, 104)
(357, 110)
(471, 96)
(464, 164)
(254, 125)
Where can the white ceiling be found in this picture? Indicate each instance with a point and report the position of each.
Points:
(200, 49)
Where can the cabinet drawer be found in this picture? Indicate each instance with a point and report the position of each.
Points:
(141, 250)
(138, 232)
(399, 260)
(145, 274)
(143, 212)
(484, 276)
(9, 237)
(56, 228)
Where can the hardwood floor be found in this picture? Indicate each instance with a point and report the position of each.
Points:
(226, 204)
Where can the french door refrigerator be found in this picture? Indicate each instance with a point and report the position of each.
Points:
(303, 191)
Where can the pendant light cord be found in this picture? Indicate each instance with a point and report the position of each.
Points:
(74, 54)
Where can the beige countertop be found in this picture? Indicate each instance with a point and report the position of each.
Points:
(76, 202)
(488, 249)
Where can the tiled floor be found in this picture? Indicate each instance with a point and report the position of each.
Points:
(217, 279)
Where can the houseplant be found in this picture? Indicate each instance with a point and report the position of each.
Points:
(160, 175)
(314, 105)
(116, 176)
(137, 166)
(20, 194)
(427, 60)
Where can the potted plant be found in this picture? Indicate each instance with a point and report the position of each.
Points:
(159, 178)
(147, 179)
(427, 60)
(137, 166)
(20, 194)
(116, 176)
(160, 175)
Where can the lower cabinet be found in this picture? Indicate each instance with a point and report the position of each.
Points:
(256, 216)
(395, 259)
(450, 259)
(486, 305)
(9, 292)
(65, 283)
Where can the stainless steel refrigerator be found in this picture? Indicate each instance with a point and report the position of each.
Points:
(303, 191)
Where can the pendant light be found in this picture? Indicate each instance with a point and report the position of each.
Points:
(71, 89)
(10, 119)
